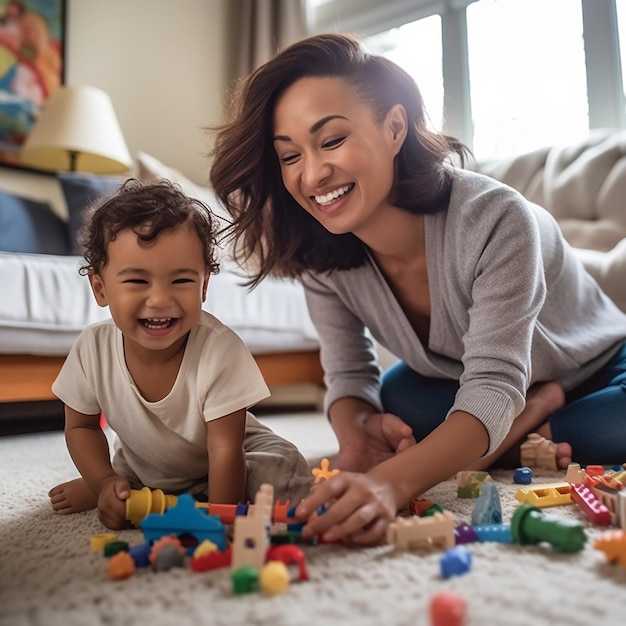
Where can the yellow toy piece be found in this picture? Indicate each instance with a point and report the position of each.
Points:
(274, 578)
(97, 542)
(542, 496)
(142, 502)
(323, 472)
(205, 547)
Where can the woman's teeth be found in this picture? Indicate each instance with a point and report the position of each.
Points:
(329, 197)
(157, 322)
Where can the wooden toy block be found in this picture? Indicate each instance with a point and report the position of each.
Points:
(409, 533)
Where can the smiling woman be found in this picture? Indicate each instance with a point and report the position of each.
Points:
(332, 175)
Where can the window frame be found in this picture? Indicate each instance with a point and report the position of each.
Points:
(605, 88)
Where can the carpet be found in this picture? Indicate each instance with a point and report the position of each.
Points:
(49, 576)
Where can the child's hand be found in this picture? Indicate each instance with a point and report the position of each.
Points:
(358, 509)
(114, 491)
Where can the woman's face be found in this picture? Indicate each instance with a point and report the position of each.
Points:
(336, 159)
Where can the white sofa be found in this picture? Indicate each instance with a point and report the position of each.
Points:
(45, 303)
(584, 186)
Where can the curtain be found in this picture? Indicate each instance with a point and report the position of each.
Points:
(263, 27)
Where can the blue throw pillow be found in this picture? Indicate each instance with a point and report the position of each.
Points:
(31, 226)
(81, 191)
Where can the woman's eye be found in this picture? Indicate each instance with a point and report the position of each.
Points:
(289, 158)
(333, 143)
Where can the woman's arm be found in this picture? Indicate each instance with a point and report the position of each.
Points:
(227, 461)
(360, 506)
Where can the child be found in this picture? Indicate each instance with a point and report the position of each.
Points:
(173, 382)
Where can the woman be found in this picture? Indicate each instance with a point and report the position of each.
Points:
(332, 176)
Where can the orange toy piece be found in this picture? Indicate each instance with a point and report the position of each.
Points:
(120, 566)
(613, 544)
(447, 609)
(324, 472)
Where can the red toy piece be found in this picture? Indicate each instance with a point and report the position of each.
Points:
(597, 512)
(447, 609)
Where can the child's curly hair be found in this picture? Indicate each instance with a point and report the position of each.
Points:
(155, 207)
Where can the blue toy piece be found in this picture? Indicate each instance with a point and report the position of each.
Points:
(487, 509)
(140, 554)
(185, 519)
(498, 533)
(523, 476)
(455, 561)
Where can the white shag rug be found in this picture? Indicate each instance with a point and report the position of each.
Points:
(49, 576)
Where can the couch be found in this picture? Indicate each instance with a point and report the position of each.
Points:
(584, 186)
(46, 303)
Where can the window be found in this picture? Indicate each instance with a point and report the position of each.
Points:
(416, 47)
(514, 75)
(527, 85)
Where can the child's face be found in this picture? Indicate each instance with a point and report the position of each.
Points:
(154, 292)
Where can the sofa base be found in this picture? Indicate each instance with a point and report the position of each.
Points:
(26, 380)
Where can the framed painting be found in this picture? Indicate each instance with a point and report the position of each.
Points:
(32, 59)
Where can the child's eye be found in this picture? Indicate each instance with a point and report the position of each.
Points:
(179, 281)
(136, 281)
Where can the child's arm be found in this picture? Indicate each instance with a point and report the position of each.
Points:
(363, 504)
(89, 449)
(227, 460)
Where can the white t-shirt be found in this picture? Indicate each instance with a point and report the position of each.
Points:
(163, 443)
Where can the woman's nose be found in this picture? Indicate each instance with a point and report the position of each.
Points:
(316, 171)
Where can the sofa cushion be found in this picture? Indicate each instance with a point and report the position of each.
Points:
(28, 225)
(81, 191)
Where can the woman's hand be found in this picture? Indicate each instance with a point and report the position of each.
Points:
(381, 436)
(112, 496)
(357, 509)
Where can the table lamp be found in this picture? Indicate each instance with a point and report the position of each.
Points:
(77, 131)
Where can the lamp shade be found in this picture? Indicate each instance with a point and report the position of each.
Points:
(77, 130)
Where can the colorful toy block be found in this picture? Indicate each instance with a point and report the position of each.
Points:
(455, 561)
(613, 544)
(487, 509)
(409, 533)
(469, 483)
(597, 512)
(554, 494)
(323, 472)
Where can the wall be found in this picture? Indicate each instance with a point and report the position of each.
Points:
(162, 63)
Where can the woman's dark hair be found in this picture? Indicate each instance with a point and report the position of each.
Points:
(269, 227)
(153, 207)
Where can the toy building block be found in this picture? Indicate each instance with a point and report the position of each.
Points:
(120, 566)
(289, 555)
(497, 533)
(530, 525)
(469, 483)
(553, 494)
(613, 544)
(274, 578)
(211, 561)
(323, 472)
(245, 579)
(97, 542)
(597, 512)
(538, 452)
(575, 474)
(487, 509)
(419, 506)
(409, 533)
(455, 561)
(251, 533)
(185, 519)
(464, 533)
(447, 609)
(607, 496)
(523, 476)
(594, 470)
(143, 502)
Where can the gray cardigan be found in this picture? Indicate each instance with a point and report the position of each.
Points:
(511, 305)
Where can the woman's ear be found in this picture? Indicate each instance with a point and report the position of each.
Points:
(397, 123)
(97, 286)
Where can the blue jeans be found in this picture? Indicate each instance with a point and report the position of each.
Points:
(592, 421)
